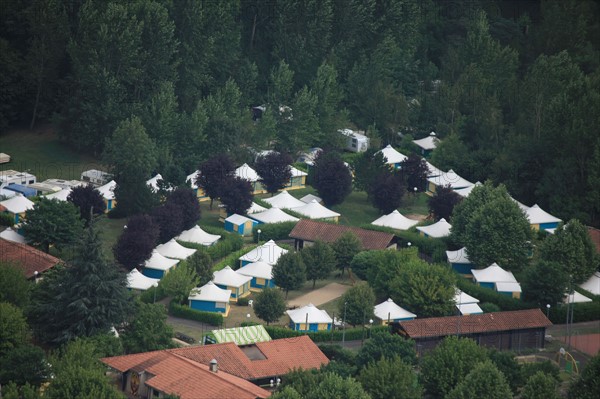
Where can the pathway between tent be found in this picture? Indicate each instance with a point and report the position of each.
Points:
(320, 296)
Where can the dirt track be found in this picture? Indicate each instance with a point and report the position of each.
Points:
(320, 296)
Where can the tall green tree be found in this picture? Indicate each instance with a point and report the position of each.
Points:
(299, 126)
(280, 87)
(179, 282)
(86, 298)
(52, 222)
(540, 386)
(136, 242)
(14, 331)
(384, 345)
(202, 263)
(269, 305)
(274, 170)
(345, 248)
(588, 382)
(88, 200)
(386, 191)
(328, 91)
(545, 283)
(148, 329)
(484, 380)
(14, 287)
(367, 166)
(357, 304)
(289, 273)
(320, 261)
(333, 386)
(24, 365)
(331, 178)
(390, 378)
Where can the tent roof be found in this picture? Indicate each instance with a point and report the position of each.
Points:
(209, 292)
(153, 181)
(255, 208)
(450, 178)
(247, 173)
(493, 274)
(284, 200)
(60, 195)
(592, 284)
(508, 287)
(464, 192)
(439, 229)
(273, 215)
(536, 215)
(395, 312)
(576, 297)
(314, 315)
(433, 171)
(258, 270)
(395, 220)
(7, 193)
(269, 253)
(391, 155)
(198, 236)
(137, 281)
(463, 298)
(227, 276)
(191, 178)
(309, 197)
(458, 256)
(297, 172)
(107, 190)
(237, 219)
(428, 143)
(242, 335)
(469, 308)
(11, 235)
(314, 210)
(159, 262)
(172, 249)
(17, 204)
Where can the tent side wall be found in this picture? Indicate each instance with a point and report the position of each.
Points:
(462, 268)
(296, 182)
(311, 326)
(209, 306)
(258, 284)
(153, 273)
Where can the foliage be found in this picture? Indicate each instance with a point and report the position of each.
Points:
(86, 298)
(136, 242)
(52, 222)
(286, 393)
(185, 312)
(201, 263)
(274, 170)
(27, 391)
(540, 386)
(507, 364)
(88, 200)
(300, 380)
(386, 191)
(588, 381)
(232, 259)
(485, 380)
(547, 367)
(489, 307)
(14, 331)
(449, 363)
(169, 219)
(228, 243)
(147, 330)
(236, 195)
(331, 178)
(414, 170)
(179, 281)
(581, 312)
(274, 231)
(545, 282)
(388, 378)
(24, 365)
(213, 172)
(386, 345)
(572, 247)
(319, 260)
(352, 334)
(289, 273)
(333, 386)
(185, 199)
(269, 305)
(442, 203)
(426, 290)
(489, 295)
(14, 287)
(357, 304)
(345, 248)
(338, 353)
(367, 166)
(6, 219)
(383, 267)
(106, 344)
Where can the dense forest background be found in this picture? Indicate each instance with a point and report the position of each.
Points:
(512, 87)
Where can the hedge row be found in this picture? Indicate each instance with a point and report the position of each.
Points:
(274, 231)
(352, 334)
(215, 319)
(148, 295)
(589, 311)
(228, 243)
(232, 259)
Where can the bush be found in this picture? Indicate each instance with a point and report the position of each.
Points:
(547, 367)
(352, 334)
(274, 231)
(243, 301)
(6, 220)
(232, 259)
(148, 295)
(588, 311)
(433, 247)
(215, 319)
(489, 307)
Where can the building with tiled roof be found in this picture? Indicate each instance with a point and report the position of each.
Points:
(513, 330)
(311, 230)
(32, 261)
(155, 374)
(595, 236)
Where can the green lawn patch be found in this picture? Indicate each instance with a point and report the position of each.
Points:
(110, 230)
(356, 210)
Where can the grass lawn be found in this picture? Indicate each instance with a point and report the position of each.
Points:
(110, 230)
(210, 217)
(356, 210)
(41, 153)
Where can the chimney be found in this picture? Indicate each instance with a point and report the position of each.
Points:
(213, 366)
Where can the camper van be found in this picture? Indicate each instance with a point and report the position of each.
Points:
(355, 141)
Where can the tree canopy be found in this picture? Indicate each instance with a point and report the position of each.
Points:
(52, 222)
(136, 242)
(88, 200)
(331, 178)
(213, 173)
(269, 305)
(236, 195)
(289, 273)
(319, 260)
(274, 170)
(357, 305)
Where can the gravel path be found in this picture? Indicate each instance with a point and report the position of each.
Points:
(320, 296)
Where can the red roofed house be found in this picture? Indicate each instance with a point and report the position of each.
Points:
(514, 330)
(595, 236)
(258, 363)
(27, 258)
(310, 231)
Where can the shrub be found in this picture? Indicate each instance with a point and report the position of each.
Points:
(484, 294)
(228, 243)
(243, 301)
(6, 219)
(215, 319)
(148, 295)
(433, 247)
(588, 311)
(232, 259)
(548, 368)
(274, 231)
(489, 307)
(352, 334)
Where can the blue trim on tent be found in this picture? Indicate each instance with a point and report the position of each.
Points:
(488, 285)
(544, 226)
(206, 306)
(153, 273)
(462, 268)
(18, 188)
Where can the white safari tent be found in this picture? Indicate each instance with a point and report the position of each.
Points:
(314, 210)
(395, 220)
(247, 173)
(309, 318)
(576, 297)
(255, 208)
(273, 215)
(17, 206)
(464, 192)
(137, 281)
(284, 200)
(153, 182)
(459, 260)
(108, 194)
(261, 273)
(61, 195)
(592, 284)
(388, 311)
(540, 219)
(450, 178)
(210, 298)
(499, 279)
(172, 249)
(269, 253)
(158, 265)
(427, 144)
(229, 279)
(392, 157)
(466, 304)
(309, 197)
(437, 230)
(10, 235)
(198, 236)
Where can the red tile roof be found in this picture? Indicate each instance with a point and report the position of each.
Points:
(475, 323)
(26, 257)
(174, 374)
(311, 230)
(282, 355)
(595, 236)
